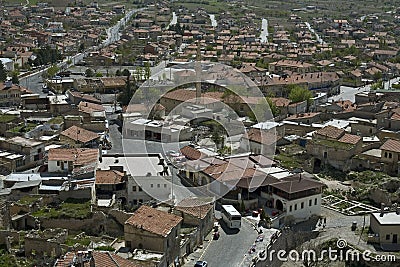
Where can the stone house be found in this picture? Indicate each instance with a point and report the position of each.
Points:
(93, 258)
(75, 161)
(19, 153)
(47, 242)
(389, 119)
(259, 141)
(333, 146)
(75, 136)
(197, 212)
(10, 94)
(110, 185)
(154, 230)
(390, 152)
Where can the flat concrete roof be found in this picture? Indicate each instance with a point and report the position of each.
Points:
(389, 218)
(136, 165)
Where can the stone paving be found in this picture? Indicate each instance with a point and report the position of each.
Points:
(347, 207)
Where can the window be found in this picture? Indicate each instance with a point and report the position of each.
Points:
(385, 154)
(151, 185)
(135, 202)
(134, 188)
(58, 163)
(325, 155)
(310, 202)
(165, 185)
(140, 201)
(390, 155)
(315, 201)
(387, 237)
(140, 189)
(290, 208)
(302, 205)
(158, 185)
(295, 206)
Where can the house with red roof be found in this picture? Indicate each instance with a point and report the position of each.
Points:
(155, 230)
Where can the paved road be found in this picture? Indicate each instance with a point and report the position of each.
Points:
(232, 246)
(264, 31)
(348, 93)
(33, 81)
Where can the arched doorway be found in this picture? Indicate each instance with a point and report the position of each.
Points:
(278, 204)
(317, 165)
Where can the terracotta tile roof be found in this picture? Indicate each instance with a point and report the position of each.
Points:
(186, 94)
(261, 137)
(195, 206)
(330, 132)
(89, 98)
(113, 82)
(89, 107)
(395, 116)
(391, 145)
(109, 177)
(346, 105)
(191, 153)
(79, 134)
(100, 258)
(180, 95)
(280, 101)
(79, 156)
(350, 139)
(154, 221)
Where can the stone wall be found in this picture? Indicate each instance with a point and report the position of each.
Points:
(120, 216)
(4, 234)
(99, 223)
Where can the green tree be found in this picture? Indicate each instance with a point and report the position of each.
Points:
(99, 74)
(118, 73)
(14, 77)
(376, 86)
(89, 72)
(274, 109)
(299, 94)
(3, 72)
(126, 72)
(147, 71)
(125, 96)
(81, 47)
(52, 71)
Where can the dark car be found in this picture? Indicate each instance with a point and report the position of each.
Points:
(201, 264)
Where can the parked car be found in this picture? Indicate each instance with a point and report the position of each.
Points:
(201, 264)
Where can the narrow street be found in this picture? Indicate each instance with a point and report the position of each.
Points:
(229, 250)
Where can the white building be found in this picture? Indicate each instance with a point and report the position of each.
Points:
(144, 129)
(297, 198)
(7, 63)
(148, 176)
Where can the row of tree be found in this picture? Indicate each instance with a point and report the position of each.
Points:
(45, 55)
(4, 74)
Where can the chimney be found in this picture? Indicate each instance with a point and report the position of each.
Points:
(382, 209)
